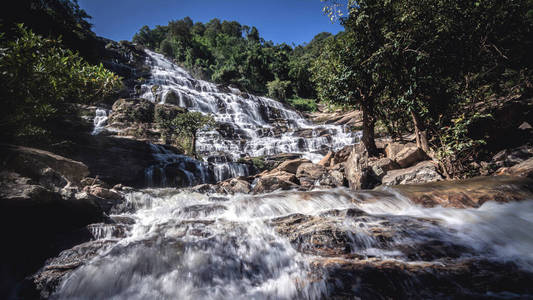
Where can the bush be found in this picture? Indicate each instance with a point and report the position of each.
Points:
(38, 77)
(279, 89)
(304, 105)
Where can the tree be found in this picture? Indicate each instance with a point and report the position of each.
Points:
(279, 89)
(341, 76)
(38, 78)
(188, 124)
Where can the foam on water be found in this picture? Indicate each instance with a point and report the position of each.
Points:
(192, 246)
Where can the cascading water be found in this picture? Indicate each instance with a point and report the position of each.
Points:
(100, 120)
(192, 246)
(251, 125)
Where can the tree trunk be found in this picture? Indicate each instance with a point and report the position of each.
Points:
(369, 122)
(420, 132)
(193, 144)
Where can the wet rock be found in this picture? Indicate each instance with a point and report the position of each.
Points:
(309, 173)
(394, 279)
(470, 192)
(132, 111)
(291, 166)
(89, 181)
(37, 223)
(422, 172)
(276, 181)
(333, 178)
(48, 278)
(234, 186)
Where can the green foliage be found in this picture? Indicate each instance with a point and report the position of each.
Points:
(437, 66)
(229, 53)
(38, 77)
(183, 127)
(279, 89)
(303, 105)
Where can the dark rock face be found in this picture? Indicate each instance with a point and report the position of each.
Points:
(114, 160)
(49, 168)
(392, 279)
(37, 223)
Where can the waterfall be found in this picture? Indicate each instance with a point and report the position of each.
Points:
(252, 125)
(100, 120)
(192, 246)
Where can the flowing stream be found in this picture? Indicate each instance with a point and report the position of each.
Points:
(187, 245)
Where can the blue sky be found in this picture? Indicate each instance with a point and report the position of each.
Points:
(288, 21)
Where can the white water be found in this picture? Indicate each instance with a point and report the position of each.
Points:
(258, 126)
(100, 120)
(190, 246)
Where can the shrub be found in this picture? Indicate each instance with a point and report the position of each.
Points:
(304, 105)
(38, 77)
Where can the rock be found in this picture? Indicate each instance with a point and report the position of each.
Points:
(422, 172)
(291, 166)
(523, 169)
(334, 178)
(88, 181)
(392, 149)
(357, 171)
(234, 186)
(470, 192)
(102, 192)
(410, 156)
(309, 173)
(48, 278)
(375, 278)
(342, 155)
(43, 166)
(275, 181)
(37, 223)
(132, 111)
(381, 166)
(326, 161)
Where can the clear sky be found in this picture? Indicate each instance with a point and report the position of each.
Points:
(281, 21)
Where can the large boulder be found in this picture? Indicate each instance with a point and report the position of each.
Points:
(43, 166)
(405, 154)
(131, 111)
(470, 192)
(357, 170)
(381, 166)
(275, 180)
(291, 166)
(523, 169)
(393, 148)
(37, 223)
(327, 159)
(234, 186)
(309, 173)
(422, 172)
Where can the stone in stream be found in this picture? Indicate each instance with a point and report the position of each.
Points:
(422, 172)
